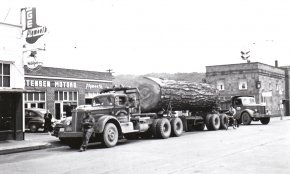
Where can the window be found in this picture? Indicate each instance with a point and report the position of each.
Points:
(220, 85)
(4, 75)
(243, 84)
(65, 96)
(34, 99)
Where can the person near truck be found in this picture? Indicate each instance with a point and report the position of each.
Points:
(87, 124)
(233, 112)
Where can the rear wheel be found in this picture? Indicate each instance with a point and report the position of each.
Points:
(265, 120)
(214, 122)
(110, 135)
(176, 127)
(33, 128)
(224, 121)
(207, 118)
(246, 118)
(163, 128)
(154, 127)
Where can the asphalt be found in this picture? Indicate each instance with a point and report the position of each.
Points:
(37, 141)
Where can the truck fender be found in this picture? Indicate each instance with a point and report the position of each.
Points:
(102, 121)
(249, 111)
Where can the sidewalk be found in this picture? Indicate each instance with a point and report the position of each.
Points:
(33, 141)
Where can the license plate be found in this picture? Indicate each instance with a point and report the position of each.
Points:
(61, 129)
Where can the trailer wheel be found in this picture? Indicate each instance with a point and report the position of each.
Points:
(199, 127)
(207, 118)
(214, 122)
(154, 127)
(224, 121)
(265, 120)
(110, 135)
(163, 129)
(246, 118)
(176, 127)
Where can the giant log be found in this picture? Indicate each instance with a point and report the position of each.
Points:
(159, 94)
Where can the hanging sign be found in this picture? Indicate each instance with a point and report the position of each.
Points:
(32, 31)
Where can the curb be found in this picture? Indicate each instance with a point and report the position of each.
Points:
(25, 149)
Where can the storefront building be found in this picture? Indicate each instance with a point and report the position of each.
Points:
(61, 90)
(269, 84)
(11, 83)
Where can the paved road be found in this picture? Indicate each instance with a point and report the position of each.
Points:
(248, 149)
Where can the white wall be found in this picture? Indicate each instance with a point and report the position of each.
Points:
(11, 52)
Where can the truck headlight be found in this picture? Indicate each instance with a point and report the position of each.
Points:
(68, 123)
(256, 110)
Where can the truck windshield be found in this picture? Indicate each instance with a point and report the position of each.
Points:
(248, 100)
(103, 101)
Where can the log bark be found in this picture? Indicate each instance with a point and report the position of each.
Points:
(156, 94)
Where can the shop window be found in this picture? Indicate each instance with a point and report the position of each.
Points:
(30, 96)
(34, 99)
(65, 96)
(243, 84)
(4, 75)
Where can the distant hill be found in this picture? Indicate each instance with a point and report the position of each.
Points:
(128, 80)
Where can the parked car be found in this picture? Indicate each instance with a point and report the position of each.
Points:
(34, 119)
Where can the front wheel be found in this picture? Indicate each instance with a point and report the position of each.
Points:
(33, 128)
(246, 118)
(110, 135)
(265, 120)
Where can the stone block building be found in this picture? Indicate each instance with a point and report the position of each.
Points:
(269, 84)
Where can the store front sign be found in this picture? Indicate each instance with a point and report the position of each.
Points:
(93, 86)
(54, 84)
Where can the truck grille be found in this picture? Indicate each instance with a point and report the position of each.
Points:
(76, 121)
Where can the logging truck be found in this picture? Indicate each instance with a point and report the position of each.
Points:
(147, 111)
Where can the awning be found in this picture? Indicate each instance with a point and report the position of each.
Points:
(13, 90)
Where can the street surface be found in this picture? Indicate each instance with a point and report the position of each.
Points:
(249, 149)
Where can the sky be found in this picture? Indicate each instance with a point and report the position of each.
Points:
(144, 36)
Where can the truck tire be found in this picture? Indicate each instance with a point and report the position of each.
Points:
(246, 118)
(33, 128)
(176, 127)
(265, 120)
(154, 127)
(110, 135)
(207, 118)
(224, 121)
(163, 128)
(199, 127)
(214, 122)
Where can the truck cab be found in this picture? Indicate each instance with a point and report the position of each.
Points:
(248, 110)
(116, 112)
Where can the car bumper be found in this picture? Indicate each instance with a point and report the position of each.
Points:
(62, 134)
(257, 115)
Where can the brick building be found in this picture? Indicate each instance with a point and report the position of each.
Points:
(60, 90)
(11, 83)
(269, 84)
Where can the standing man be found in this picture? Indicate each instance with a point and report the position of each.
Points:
(47, 121)
(88, 128)
(233, 113)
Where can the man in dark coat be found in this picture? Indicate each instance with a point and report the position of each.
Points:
(47, 121)
(88, 128)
